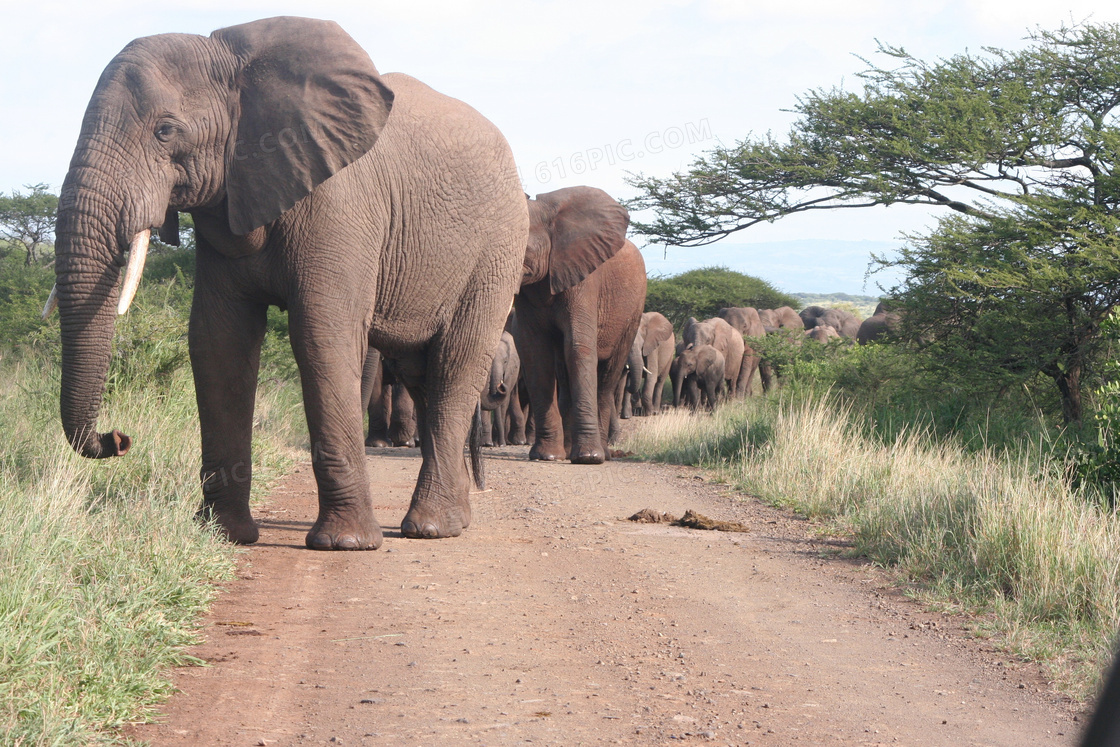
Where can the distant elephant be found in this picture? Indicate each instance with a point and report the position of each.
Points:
(500, 402)
(651, 355)
(878, 325)
(581, 299)
(724, 338)
(265, 132)
(747, 321)
(822, 333)
(782, 317)
(846, 323)
(698, 374)
(392, 413)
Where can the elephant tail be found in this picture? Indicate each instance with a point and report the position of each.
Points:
(474, 445)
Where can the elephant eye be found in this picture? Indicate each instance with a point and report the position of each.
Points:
(165, 131)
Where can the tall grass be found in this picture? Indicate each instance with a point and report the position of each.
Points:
(103, 570)
(997, 533)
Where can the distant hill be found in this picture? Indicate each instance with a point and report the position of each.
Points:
(805, 266)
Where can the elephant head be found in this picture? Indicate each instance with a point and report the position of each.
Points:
(238, 126)
(571, 232)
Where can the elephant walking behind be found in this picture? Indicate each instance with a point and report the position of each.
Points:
(375, 210)
(581, 300)
(651, 355)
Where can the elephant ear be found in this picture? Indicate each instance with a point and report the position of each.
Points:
(588, 227)
(657, 332)
(309, 102)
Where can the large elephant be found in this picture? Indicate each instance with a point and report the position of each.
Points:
(845, 322)
(651, 355)
(724, 338)
(698, 373)
(581, 299)
(374, 209)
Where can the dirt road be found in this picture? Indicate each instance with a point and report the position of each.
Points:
(553, 620)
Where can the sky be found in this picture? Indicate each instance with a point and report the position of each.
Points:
(584, 90)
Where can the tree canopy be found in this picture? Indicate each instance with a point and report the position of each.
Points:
(702, 293)
(27, 220)
(1022, 148)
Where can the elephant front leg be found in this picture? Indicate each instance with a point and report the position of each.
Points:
(330, 369)
(225, 343)
(548, 428)
(590, 408)
(516, 417)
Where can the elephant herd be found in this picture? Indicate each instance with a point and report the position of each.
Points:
(382, 216)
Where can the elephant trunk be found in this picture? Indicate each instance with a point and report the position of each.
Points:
(634, 374)
(677, 375)
(87, 270)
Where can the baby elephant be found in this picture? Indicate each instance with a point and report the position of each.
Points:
(698, 372)
(500, 397)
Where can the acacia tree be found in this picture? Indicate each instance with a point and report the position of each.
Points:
(1021, 147)
(27, 220)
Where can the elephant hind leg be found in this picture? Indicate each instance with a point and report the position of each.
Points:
(457, 361)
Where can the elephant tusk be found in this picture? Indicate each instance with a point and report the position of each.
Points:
(648, 372)
(52, 302)
(137, 253)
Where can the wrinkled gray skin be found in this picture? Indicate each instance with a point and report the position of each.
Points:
(392, 413)
(698, 374)
(582, 293)
(846, 323)
(724, 338)
(500, 401)
(651, 355)
(822, 333)
(265, 133)
(878, 325)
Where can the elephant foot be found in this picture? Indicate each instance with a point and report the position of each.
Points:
(517, 441)
(236, 526)
(377, 442)
(334, 533)
(406, 442)
(424, 522)
(586, 451)
(544, 453)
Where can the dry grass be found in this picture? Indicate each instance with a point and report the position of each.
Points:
(1001, 535)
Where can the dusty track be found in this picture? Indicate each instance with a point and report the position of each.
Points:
(553, 620)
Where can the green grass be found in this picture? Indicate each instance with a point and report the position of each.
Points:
(997, 534)
(103, 570)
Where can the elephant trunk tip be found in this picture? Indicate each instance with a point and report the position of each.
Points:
(103, 445)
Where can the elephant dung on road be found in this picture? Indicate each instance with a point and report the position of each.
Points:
(266, 132)
(582, 293)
